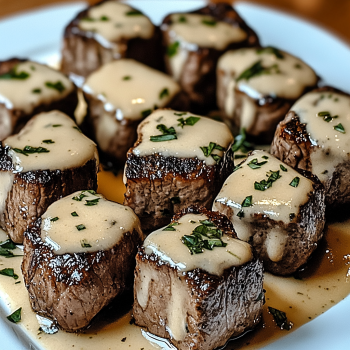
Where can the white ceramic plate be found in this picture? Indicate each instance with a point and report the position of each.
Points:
(37, 35)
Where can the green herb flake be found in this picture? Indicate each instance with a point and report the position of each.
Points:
(295, 182)
(170, 227)
(271, 50)
(172, 49)
(134, 13)
(6, 253)
(247, 202)
(9, 272)
(241, 144)
(146, 113)
(217, 158)
(164, 93)
(298, 66)
(77, 128)
(8, 244)
(13, 74)
(48, 141)
(182, 19)
(168, 134)
(58, 86)
(236, 256)
(56, 125)
(54, 219)
(280, 318)
(104, 18)
(175, 200)
(263, 185)
(257, 69)
(84, 243)
(74, 213)
(339, 127)
(15, 317)
(30, 150)
(190, 121)
(254, 164)
(180, 114)
(209, 22)
(127, 77)
(283, 168)
(80, 197)
(80, 227)
(265, 157)
(36, 91)
(240, 156)
(91, 202)
(207, 151)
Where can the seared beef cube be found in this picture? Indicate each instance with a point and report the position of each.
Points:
(47, 160)
(179, 159)
(314, 137)
(276, 209)
(28, 88)
(196, 283)
(119, 95)
(108, 31)
(195, 41)
(78, 257)
(257, 86)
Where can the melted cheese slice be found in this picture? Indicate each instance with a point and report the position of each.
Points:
(167, 245)
(282, 75)
(39, 84)
(279, 202)
(64, 145)
(190, 138)
(332, 146)
(86, 222)
(113, 21)
(130, 88)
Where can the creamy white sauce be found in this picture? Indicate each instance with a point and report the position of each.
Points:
(189, 140)
(285, 77)
(70, 148)
(128, 88)
(6, 183)
(331, 147)
(106, 129)
(275, 243)
(276, 202)
(167, 245)
(35, 90)
(77, 224)
(113, 21)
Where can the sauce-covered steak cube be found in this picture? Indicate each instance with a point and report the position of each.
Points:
(47, 160)
(179, 159)
(276, 209)
(78, 257)
(28, 88)
(196, 284)
(194, 41)
(257, 86)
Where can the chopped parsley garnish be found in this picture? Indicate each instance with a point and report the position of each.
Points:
(270, 49)
(80, 227)
(6, 253)
(188, 121)
(254, 164)
(236, 256)
(164, 93)
(209, 22)
(74, 213)
(297, 66)
(77, 128)
(205, 236)
(56, 125)
(84, 243)
(247, 202)
(92, 202)
(80, 197)
(326, 116)
(175, 200)
(9, 272)
(265, 157)
(36, 91)
(241, 144)
(180, 114)
(257, 69)
(15, 317)
(339, 128)
(216, 157)
(295, 182)
(283, 168)
(48, 141)
(127, 77)
(280, 318)
(172, 49)
(134, 13)
(170, 227)
(208, 150)
(12, 74)
(54, 219)
(265, 184)
(8, 244)
(182, 19)
(56, 86)
(104, 18)
(30, 150)
(240, 156)
(146, 113)
(168, 134)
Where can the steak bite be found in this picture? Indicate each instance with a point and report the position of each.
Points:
(78, 257)
(276, 209)
(119, 95)
(108, 31)
(47, 160)
(179, 159)
(28, 88)
(196, 284)
(314, 137)
(194, 42)
(257, 86)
